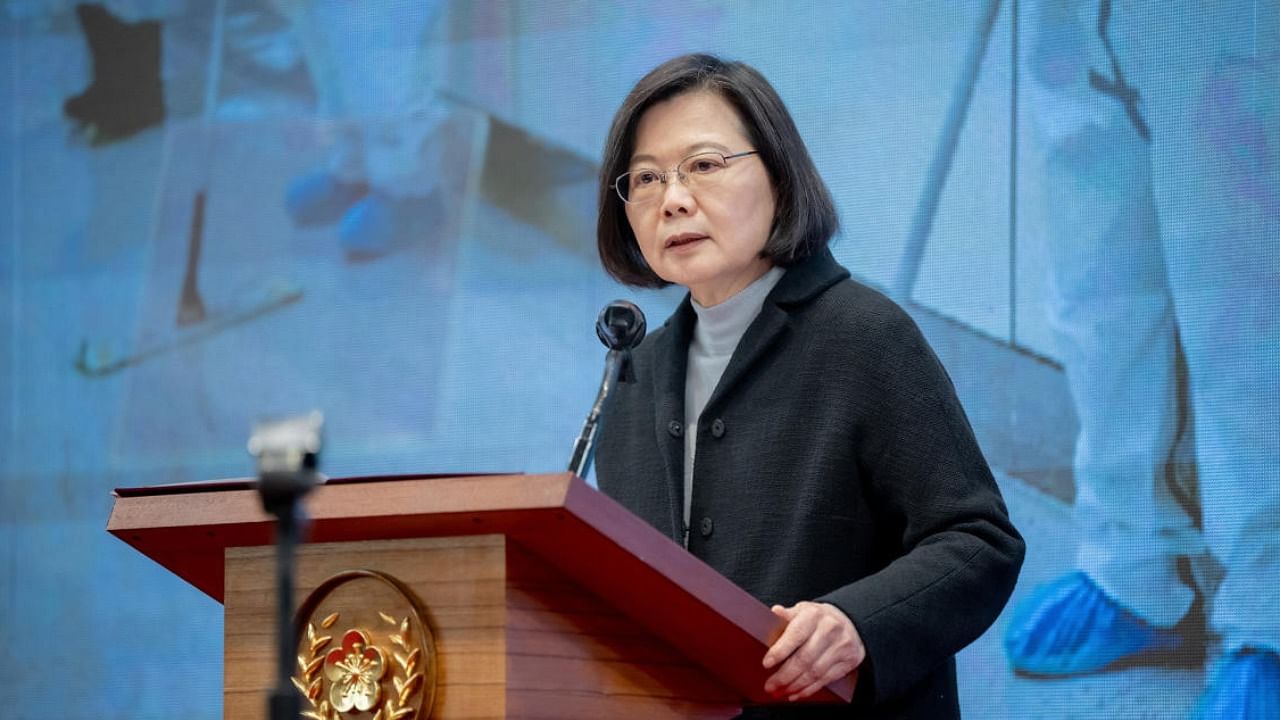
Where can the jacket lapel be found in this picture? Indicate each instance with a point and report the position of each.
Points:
(801, 284)
(763, 332)
(670, 361)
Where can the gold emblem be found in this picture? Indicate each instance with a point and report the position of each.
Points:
(384, 665)
(355, 673)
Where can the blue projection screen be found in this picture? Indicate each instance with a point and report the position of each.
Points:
(216, 211)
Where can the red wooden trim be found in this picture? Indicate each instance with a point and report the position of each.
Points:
(572, 527)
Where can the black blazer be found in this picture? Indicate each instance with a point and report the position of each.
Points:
(834, 463)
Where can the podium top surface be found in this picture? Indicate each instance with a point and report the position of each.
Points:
(568, 524)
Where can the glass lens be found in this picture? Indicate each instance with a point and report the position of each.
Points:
(702, 170)
(636, 185)
(702, 164)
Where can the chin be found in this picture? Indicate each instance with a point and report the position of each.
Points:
(682, 279)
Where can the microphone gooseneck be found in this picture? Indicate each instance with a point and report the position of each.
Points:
(621, 327)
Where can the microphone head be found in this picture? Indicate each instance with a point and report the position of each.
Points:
(620, 325)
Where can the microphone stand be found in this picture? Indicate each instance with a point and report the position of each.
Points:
(621, 326)
(584, 448)
(288, 454)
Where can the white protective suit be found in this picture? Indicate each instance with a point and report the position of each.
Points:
(370, 63)
(1168, 250)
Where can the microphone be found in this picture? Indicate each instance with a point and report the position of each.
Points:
(620, 327)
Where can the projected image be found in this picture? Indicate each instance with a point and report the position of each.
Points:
(1161, 132)
(224, 210)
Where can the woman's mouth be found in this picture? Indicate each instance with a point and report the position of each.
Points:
(682, 240)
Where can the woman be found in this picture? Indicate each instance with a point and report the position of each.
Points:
(788, 424)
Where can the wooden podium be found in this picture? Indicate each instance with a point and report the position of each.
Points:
(502, 596)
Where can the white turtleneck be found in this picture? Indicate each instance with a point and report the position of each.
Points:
(715, 336)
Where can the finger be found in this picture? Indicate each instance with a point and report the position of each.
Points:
(784, 614)
(798, 630)
(795, 674)
(799, 669)
(834, 673)
(826, 668)
(811, 689)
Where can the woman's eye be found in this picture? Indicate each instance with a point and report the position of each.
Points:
(644, 177)
(705, 166)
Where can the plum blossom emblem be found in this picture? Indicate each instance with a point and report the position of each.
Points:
(355, 673)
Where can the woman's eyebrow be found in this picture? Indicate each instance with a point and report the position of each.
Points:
(689, 150)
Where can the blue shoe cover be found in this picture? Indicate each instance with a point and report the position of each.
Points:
(319, 198)
(1246, 687)
(378, 224)
(1071, 627)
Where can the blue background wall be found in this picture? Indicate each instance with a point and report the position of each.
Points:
(466, 344)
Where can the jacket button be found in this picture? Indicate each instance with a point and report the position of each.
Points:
(707, 527)
(675, 428)
(717, 428)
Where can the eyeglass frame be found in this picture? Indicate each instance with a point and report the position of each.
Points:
(663, 174)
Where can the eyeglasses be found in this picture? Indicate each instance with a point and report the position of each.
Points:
(703, 170)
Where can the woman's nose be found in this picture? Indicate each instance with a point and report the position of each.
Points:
(676, 198)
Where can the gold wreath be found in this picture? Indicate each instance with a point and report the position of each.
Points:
(407, 663)
(307, 680)
(407, 679)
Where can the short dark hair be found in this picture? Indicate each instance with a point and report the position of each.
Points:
(804, 217)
